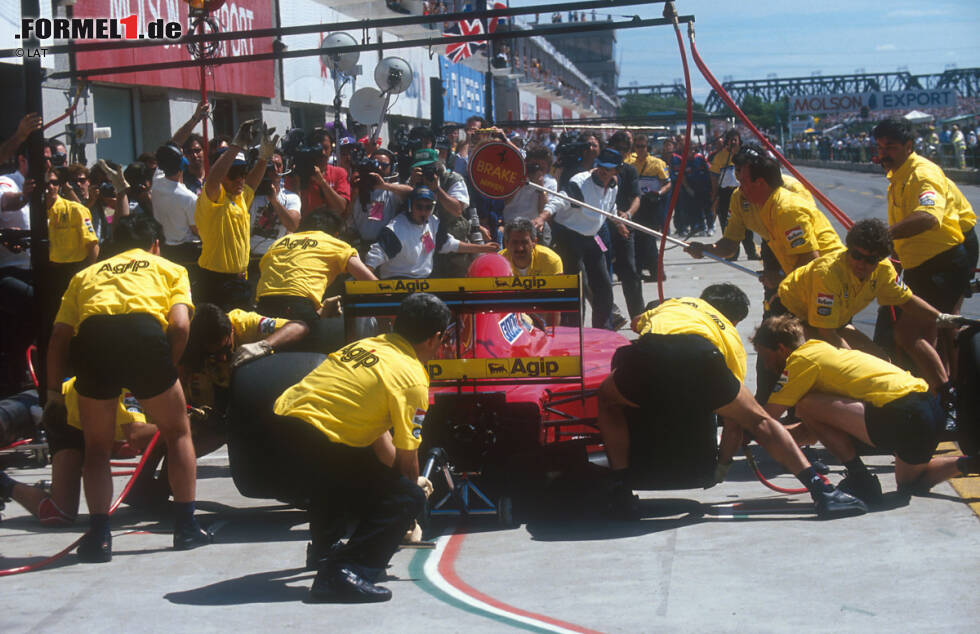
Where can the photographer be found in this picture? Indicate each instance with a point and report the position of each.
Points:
(322, 184)
(139, 178)
(451, 198)
(374, 201)
(276, 210)
(528, 202)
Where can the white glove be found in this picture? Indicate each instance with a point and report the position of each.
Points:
(413, 535)
(945, 320)
(250, 352)
(118, 180)
(426, 485)
(267, 145)
(243, 138)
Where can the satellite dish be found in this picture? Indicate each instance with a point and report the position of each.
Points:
(366, 105)
(341, 62)
(393, 75)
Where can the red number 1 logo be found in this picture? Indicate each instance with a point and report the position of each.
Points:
(129, 22)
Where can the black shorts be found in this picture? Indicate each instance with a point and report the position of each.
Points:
(909, 427)
(942, 279)
(112, 352)
(680, 373)
(288, 307)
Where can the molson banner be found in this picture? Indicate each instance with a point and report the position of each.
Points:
(254, 78)
(885, 100)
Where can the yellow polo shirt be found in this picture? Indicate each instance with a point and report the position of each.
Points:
(653, 166)
(825, 293)
(920, 185)
(248, 327)
(303, 264)
(544, 261)
(817, 366)
(789, 222)
(70, 231)
(224, 229)
(127, 412)
(361, 391)
(968, 219)
(692, 316)
(134, 281)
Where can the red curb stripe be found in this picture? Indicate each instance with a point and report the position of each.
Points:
(448, 571)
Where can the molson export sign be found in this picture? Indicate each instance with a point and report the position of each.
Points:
(854, 102)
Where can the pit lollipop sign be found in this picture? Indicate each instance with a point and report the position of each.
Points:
(496, 170)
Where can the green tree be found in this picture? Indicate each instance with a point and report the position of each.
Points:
(640, 105)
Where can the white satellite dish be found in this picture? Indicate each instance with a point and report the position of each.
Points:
(367, 105)
(341, 62)
(393, 75)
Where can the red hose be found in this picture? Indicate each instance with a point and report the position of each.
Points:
(762, 478)
(831, 207)
(687, 147)
(69, 110)
(31, 349)
(112, 509)
(20, 442)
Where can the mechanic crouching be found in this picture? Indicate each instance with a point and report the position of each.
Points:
(332, 418)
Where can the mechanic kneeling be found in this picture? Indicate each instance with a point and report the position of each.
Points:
(333, 417)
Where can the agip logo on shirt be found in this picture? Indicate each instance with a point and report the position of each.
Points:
(124, 267)
(795, 236)
(825, 303)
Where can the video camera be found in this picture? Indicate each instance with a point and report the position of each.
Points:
(570, 150)
(303, 155)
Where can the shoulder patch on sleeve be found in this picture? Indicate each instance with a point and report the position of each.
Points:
(417, 421)
(927, 198)
(783, 378)
(825, 303)
(267, 325)
(795, 236)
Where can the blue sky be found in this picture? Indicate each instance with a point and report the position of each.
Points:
(751, 39)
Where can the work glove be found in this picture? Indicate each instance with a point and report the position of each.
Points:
(413, 535)
(946, 320)
(250, 352)
(721, 471)
(246, 132)
(426, 485)
(116, 176)
(267, 145)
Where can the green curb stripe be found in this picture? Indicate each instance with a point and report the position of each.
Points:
(416, 569)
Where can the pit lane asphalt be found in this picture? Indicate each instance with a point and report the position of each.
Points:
(737, 557)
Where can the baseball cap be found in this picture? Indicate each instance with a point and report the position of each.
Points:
(423, 193)
(425, 156)
(609, 158)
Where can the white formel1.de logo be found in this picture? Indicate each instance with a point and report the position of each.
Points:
(125, 28)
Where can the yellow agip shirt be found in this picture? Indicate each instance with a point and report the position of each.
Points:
(789, 222)
(825, 293)
(135, 281)
(692, 316)
(303, 264)
(818, 366)
(361, 391)
(919, 185)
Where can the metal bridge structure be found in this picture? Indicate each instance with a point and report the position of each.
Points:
(965, 81)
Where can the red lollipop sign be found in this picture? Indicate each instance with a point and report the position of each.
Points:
(496, 170)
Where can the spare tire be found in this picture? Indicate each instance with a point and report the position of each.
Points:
(261, 464)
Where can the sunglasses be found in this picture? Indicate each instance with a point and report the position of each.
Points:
(861, 257)
(235, 173)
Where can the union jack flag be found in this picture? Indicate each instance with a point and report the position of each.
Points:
(458, 51)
